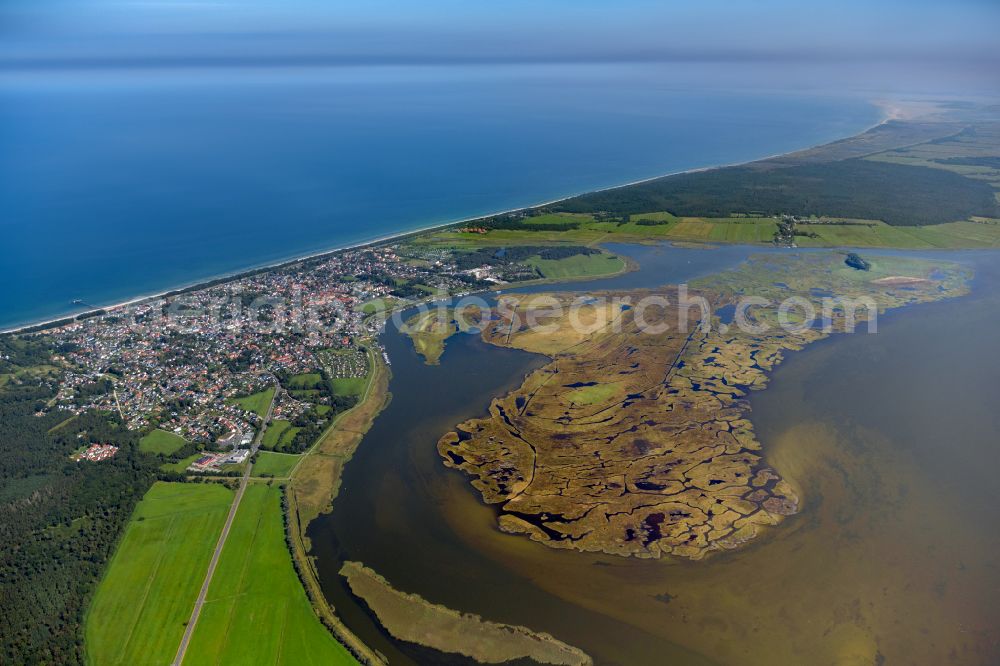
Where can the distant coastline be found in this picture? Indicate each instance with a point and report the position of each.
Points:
(889, 111)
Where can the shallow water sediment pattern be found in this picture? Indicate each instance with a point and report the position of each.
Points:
(891, 440)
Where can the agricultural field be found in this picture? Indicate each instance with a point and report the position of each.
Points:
(954, 235)
(279, 434)
(580, 265)
(725, 230)
(256, 403)
(256, 610)
(161, 442)
(278, 465)
(142, 604)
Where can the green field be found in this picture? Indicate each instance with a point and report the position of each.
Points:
(278, 465)
(953, 235)
(279, 434)
(256, 611)
(256, 403)
(580, 265)
(146, 597)
(162, 442)
(349, 385)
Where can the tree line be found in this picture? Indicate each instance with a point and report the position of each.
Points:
(897, 194)
(59, 520)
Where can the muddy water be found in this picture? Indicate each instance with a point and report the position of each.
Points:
(892, 440)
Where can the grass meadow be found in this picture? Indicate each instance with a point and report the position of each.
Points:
(256, 403)
(279, 434)
(142, 604)
(278, 465)
(256, 611)
(162, 442)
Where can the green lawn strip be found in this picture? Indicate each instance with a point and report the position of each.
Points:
(256, 610)
(256, 403)
(140, 607)
(162, 442)
(278, 465)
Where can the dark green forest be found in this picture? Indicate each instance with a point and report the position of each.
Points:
(59, 520)
(855, 188)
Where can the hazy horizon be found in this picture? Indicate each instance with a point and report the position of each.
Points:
(914, 46)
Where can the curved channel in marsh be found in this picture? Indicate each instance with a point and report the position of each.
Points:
(891, 437)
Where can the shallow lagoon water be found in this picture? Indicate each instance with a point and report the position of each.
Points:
(890, 439)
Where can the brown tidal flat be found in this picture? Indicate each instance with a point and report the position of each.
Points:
(639, 444)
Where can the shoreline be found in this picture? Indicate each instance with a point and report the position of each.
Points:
(889, 111)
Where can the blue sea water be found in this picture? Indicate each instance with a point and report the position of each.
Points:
(120, 184)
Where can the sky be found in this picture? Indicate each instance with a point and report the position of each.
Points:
(958, 35)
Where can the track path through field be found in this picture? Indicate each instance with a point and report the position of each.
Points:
(196, 611)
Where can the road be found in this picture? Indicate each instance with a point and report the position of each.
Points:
(196, 611)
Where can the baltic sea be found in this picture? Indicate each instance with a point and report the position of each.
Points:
(116, 184)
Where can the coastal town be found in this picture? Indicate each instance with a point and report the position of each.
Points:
(215, 365)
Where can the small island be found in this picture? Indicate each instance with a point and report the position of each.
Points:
(411, 618)
(429, 330)
(641, 445)
(854, 260)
